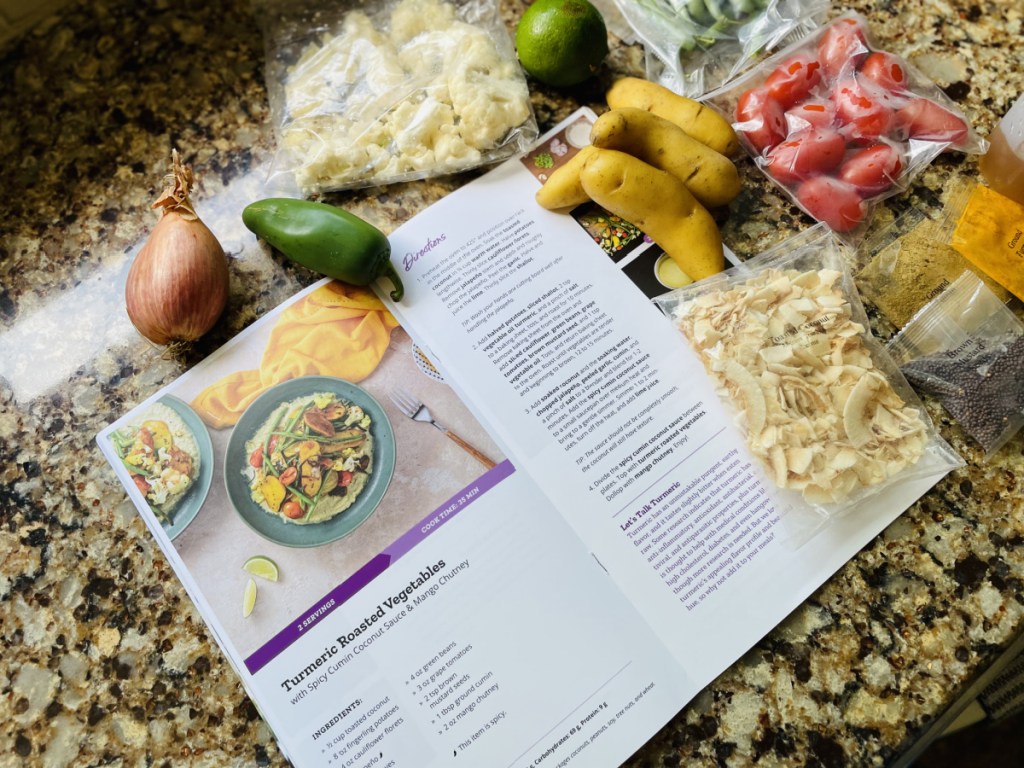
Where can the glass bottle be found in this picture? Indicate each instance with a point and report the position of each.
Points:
(1003, 165)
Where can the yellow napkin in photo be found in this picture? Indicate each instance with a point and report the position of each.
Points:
(337, 330)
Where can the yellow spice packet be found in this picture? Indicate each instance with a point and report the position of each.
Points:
(989, 233)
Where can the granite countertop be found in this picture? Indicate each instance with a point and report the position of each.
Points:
(106, 661)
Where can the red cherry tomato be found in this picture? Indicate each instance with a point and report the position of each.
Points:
(863, 114)
(886, 71)
(924, 119)
(793, 80)
(816, 151)
(760, 119)
(813, 113)
(291, 510)
(288, 475)
(141, 484)
(256, 458)
(832, 201)
(842, 47)
(872, 170)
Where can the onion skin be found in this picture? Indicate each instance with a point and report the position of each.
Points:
(177, 286)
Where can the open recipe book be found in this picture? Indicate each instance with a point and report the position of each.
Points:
(546, 575)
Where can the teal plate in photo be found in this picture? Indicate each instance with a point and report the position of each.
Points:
(315, 534)
(190, 505)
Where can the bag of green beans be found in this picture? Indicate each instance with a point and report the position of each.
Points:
(693, 47)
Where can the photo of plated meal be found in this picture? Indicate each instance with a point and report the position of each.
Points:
(309, 460)
(168, 455)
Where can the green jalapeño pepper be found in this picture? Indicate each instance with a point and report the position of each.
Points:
(325, 239)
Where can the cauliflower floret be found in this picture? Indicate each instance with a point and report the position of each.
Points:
(355, 413)
(418, 125)
(413, 17)
(453, 152)
(167, 484)
(486, 93)
(489, 109)
(429, 54)
(176, 481)
(474, 49)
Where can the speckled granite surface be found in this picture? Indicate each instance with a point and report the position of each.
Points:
(106, 662)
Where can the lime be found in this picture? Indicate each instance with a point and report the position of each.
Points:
(249, 599)
(561, 42)
(261, 566)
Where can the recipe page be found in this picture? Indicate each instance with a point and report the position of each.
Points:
(595, 394)
(497, 641)
(392, 590)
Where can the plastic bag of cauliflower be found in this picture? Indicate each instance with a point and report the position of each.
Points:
(371, 93)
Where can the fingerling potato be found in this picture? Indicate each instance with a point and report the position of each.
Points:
(698, 120)
(709, 175)
(660, 205)
(562, 189)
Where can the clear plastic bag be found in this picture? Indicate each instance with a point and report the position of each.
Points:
(819, 401)
(381, 91)
(840, 124)
(696, 46)
(909, 263)
(987, 228)
(966, 347)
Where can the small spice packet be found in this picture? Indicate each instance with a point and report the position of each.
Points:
(913, 263)
(966, 347)
(989, 232)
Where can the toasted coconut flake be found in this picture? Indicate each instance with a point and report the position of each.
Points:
(857, 426)
(750, 392)
(784, 347)
(780, 467)
(798, 460)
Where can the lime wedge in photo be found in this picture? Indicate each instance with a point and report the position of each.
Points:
(249, 599)
(261, 566)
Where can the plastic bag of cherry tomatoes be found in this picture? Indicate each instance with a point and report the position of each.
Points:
(840, 124)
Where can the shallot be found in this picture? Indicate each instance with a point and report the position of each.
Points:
(177, 287)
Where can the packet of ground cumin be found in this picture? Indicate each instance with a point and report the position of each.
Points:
(966, 347)
(989, 232)
(912, 263)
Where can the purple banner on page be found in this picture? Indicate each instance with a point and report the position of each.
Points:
(448, 510)
(375, 567)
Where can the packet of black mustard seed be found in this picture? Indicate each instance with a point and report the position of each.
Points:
(966, 347)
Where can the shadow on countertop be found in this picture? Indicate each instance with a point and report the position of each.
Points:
(998, 744)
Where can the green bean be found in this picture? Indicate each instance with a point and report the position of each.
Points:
(301, 496)
(136, 470)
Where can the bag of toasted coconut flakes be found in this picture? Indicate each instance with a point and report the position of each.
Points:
(819, 401)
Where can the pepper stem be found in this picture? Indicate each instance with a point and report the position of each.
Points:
(388, 270)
